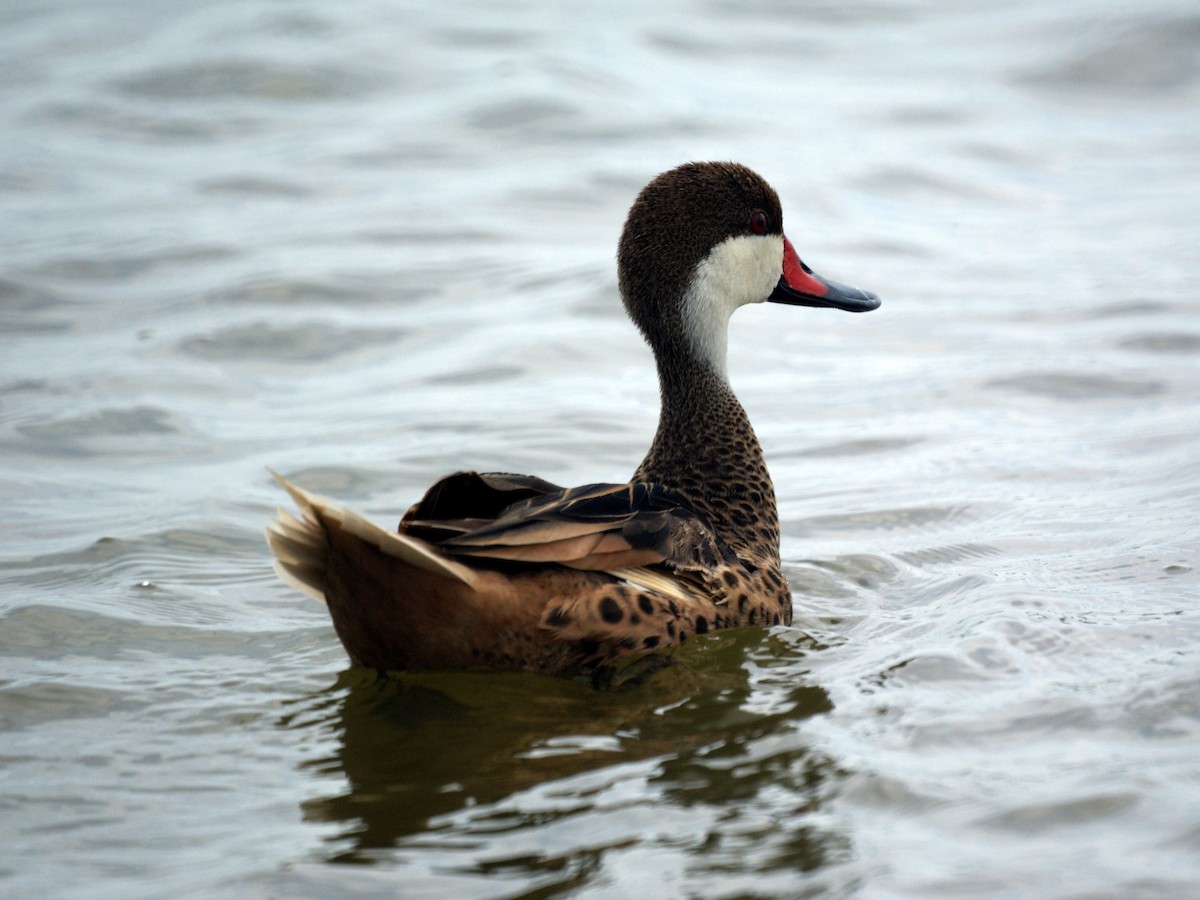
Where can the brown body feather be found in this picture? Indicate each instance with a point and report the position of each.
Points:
(513, 592)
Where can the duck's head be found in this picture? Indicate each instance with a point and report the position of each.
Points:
(702, 240)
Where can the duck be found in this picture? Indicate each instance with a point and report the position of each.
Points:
(506, 572)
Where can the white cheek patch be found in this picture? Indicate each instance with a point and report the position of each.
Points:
(739, 270)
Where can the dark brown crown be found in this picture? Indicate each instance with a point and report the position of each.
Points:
(674, 223)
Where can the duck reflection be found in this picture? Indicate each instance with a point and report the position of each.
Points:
(415, 748)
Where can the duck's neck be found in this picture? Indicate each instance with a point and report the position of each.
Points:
(706, 450)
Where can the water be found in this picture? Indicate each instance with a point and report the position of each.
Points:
(371, 243)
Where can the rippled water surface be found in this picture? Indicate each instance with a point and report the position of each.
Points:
(371, 243)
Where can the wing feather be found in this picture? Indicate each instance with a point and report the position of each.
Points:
(529, 531)
(595, 526)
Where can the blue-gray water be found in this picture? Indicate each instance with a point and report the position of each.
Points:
(371, 243)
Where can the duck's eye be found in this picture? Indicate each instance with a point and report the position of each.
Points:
(758, 222)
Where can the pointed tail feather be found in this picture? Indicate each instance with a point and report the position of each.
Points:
(301, 547)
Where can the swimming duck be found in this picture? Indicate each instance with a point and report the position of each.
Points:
(500, 571)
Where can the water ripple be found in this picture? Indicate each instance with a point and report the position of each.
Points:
(245, 79)
(299, 343)
(1146, 59)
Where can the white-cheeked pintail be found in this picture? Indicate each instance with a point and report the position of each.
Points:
(499, 571)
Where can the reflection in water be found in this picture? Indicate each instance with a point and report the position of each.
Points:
(443, 755)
